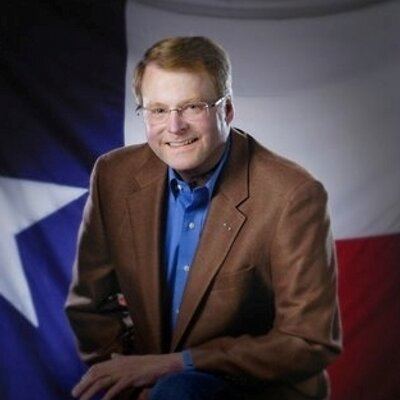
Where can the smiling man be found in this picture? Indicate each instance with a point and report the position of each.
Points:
(220, 250)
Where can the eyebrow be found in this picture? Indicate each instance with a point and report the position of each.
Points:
(180, 104)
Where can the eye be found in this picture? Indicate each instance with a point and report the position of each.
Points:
(159, 110)
(194, 107)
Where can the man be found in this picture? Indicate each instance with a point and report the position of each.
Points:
(221, 250)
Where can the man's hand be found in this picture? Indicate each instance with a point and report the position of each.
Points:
(122, 372)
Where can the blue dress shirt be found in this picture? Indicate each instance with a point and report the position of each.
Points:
(186, 213)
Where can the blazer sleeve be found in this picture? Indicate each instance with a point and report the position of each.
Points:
(95, 318)
(306, 333)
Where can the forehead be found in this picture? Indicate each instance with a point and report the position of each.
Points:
(174, 86)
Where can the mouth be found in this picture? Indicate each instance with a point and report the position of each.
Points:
(181, 143)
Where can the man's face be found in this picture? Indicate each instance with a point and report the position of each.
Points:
(191, 148)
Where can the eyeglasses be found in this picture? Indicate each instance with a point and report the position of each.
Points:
(189, 112)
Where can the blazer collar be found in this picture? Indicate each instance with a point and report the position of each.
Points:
(152, 171)
(234, 182)
(146, 213)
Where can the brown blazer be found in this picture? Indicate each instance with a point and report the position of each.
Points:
(260, 305)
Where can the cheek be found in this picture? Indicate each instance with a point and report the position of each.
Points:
(152, 135)
(210, 131)
(213, 135)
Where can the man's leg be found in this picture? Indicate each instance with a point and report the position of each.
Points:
(193, 385)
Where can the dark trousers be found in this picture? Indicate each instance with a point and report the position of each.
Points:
(193, 385)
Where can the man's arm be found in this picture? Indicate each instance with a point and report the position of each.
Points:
(97, 320)
(98, 328)
(306, 334)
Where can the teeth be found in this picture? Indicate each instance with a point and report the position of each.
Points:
(181, 143)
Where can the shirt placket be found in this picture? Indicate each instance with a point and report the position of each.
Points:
(192, 202)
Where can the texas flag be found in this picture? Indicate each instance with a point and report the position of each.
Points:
(318, 86)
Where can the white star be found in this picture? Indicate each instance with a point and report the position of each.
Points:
(22, 204)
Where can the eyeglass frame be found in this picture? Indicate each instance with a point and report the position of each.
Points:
(179, 110)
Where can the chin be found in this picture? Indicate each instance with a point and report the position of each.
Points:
(184, 166)
(187, 170)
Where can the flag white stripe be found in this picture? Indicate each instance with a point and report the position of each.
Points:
(321, 91)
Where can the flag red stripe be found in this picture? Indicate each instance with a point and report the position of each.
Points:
(369, 292)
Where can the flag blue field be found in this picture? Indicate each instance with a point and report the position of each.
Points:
(62, 105)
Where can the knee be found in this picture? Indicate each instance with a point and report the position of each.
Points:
(192, 385)
(172, 387)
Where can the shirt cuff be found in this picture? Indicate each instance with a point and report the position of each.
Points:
(188, 360)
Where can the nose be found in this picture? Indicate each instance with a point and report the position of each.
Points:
(176, 124)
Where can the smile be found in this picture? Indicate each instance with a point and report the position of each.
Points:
(181, 143)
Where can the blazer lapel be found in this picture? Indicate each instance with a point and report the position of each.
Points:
(146, 216)
(223, 224)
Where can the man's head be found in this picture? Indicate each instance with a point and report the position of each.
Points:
(194, 54)
(183, 86)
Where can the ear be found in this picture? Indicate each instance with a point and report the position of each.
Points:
(229, 111)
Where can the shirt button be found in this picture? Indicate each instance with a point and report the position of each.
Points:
(177, 311)
(179, 187)
(191, 225)
(186, 268)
